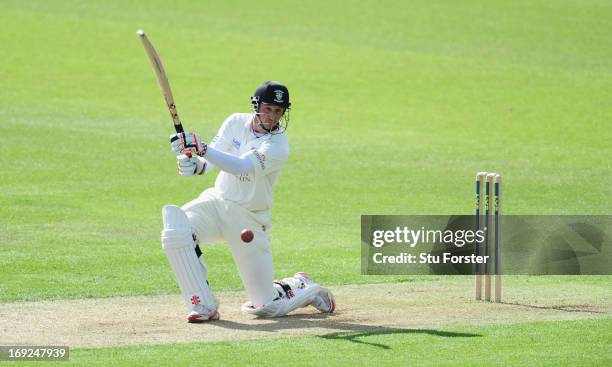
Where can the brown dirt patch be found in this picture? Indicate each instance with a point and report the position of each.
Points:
(361, 308)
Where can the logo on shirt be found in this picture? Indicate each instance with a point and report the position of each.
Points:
(279, 95)
(236, 143)
(261, 158)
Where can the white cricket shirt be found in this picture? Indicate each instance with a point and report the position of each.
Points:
(267, 153)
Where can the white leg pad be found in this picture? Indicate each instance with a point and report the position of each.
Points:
(191, 272)
(300, 295)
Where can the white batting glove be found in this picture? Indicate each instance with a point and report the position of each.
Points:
(187, 142)
(190, 165)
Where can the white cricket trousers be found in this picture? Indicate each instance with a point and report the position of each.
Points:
(216, 220)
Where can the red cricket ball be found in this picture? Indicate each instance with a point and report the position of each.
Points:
(247, 235)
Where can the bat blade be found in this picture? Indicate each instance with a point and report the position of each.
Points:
(162, 78)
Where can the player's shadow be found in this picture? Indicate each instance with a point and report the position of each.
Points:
(353, 337)
(351, 332)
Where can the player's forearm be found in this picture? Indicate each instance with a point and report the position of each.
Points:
(228, 162)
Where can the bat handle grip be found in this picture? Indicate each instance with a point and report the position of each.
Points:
(179, 128)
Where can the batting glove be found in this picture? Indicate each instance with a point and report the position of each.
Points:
(187, 142)
(189, 165)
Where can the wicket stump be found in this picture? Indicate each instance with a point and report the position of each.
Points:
(492, 218)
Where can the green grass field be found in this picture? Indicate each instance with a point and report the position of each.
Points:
(544, 343)
(395, 107)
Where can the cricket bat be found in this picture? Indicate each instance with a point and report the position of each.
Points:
(160, 72)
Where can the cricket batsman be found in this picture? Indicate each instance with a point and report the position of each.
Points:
(250, 151)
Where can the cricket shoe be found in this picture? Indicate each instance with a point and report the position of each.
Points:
(324, 301)
(196, 317)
